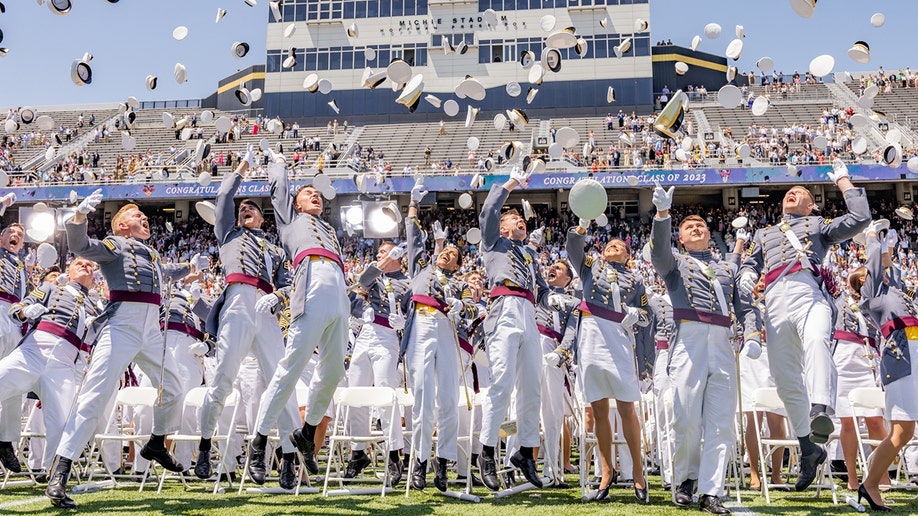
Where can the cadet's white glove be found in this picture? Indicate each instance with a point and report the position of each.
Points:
(520, 175)
(266, 302)
(397, 321)
(368, 315)
(662, 198)
(752, 348)
(34, 311)
(438, 232)
(551, 359)
(199, 262)
(892, 238)
(89, 204)
(198, 349)
(418, 192)
(839, 170)
(398, 252)
(6, 201)
(742, 234)
(873, 227)
(584, 223)
(632, 315)
(195, 290)
(537, 236)
(747, 282)
(557, 301)
(250, 156)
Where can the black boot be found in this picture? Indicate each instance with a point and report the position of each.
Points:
(712, 504)
(155, 449)
(488, 468)
(395, 468)
(57, 485)
(684, 493)
(257, 468)
(419, 476)
(202, 467)
(809, 464)
(8, 457)
(306, 445)
(440, 479)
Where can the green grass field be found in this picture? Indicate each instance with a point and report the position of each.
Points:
(194, 501)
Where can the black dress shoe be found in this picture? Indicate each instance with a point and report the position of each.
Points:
(419, 476)
(641, 494)
(684, 493)
(600, 494)
(808, 466)
(161, 455)
(9, 460)
(395, 472)
(712, 504)
(440, 479)
(874, 506)
(488, 467)
(287, 475)
(821, 427)
(202, 468)
(307, 448)
(57, 485)
(257, 469)
(528, 467)
(355, 466)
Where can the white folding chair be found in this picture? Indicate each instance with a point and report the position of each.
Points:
(127, 400)
(25, 435)
(194, 400)
(346, 399)
(766, 399)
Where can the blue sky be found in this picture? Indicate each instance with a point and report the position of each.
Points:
(133, 38)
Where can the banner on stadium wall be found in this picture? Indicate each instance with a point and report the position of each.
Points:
(549, 181)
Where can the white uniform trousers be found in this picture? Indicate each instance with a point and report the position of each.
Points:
(374, 361)
(10, 404)
(52, 368)
(132, 334)
(324, 323)
(702, 369)
(243, 331)
(552, 412)
(515, 357)
(853, 361)
(798, 322)
(902, 394)
(433, 369)
(663, 411)
(190, 370)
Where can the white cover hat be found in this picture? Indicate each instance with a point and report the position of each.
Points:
(588, 199)
(712, 31)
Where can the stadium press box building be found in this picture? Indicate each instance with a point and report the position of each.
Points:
(447, 40)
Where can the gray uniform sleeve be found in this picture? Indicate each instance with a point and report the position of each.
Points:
(845, 227)
(754, 260)
(176, 271)
(661, 255)
(417, 251)
(489, 218)
(574, 248)
(369, 276)
(225, 207)
(874, 279)
(99, 251)
(280, 194)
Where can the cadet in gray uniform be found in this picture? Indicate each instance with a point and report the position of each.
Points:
(701, 360)
(130, 332)
(662, 308)
(319, 310)
(798, 315)
(51, 358)
(255, 269)
(374, 360)
(894, 312)
(613, 301)
(13, 288)
(430, 347)
(511, 334)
